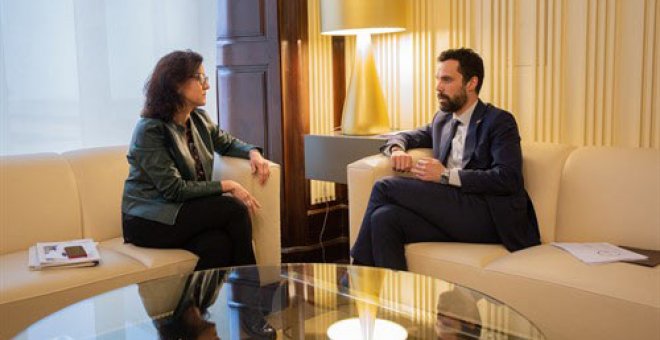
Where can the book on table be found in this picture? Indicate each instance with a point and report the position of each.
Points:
(64, 254)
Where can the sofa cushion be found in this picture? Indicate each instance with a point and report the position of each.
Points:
(27, 296)
(38, 201)
(100, 174)
(159, 262)
(610, 195)
(19, 282)
(454, 262)
(569, 299)
(547, 263)
(542, 167)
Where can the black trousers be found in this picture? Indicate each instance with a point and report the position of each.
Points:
(405, 210)
(215, 228)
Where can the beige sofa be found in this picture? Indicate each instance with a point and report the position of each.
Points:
(54, 197)
(585, 194)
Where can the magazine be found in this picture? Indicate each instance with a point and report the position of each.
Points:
(73, 253)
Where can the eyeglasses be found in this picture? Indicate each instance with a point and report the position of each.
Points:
(202, 78)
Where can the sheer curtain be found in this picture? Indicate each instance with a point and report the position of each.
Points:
(72, 72)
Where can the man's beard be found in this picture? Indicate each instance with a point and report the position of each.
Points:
(453, 104)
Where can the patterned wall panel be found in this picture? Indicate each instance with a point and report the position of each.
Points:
(491, 35)
(320, 93)
(610, 73)
(600, 71)
(423, 54)
(650, 127)
(386, 51)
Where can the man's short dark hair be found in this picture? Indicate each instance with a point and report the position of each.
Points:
(470, 64)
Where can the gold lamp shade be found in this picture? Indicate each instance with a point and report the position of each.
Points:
(364, 112)
(351, 17)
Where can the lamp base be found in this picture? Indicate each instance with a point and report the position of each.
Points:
(349, 329)
(365, 111)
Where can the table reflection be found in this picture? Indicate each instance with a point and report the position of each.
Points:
(291, 301)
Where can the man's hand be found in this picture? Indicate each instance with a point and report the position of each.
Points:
(237, 190)
(259, 166)
(401, 161)
(428, 169)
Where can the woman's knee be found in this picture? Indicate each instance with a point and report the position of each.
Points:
(241, 214)
(237, 204)
(240, 219)
(214, 249)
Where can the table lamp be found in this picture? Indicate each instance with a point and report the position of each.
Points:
(364, 112)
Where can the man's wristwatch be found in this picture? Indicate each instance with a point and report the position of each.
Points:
(444, 178)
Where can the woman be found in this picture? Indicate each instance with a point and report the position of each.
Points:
(169, 198)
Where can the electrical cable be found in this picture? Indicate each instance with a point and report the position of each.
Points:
(325, 221)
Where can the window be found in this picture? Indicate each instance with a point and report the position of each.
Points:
(72, 72)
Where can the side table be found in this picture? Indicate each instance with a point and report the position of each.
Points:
(326, 156)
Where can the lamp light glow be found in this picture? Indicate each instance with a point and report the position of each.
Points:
(350, 329)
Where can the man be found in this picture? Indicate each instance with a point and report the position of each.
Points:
(470, 191)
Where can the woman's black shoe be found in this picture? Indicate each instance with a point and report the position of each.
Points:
(255, 326)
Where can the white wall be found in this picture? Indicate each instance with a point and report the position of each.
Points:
(72, 72)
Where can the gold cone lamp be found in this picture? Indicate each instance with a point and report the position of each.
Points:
(364, 112)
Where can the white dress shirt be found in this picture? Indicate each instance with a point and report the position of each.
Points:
(455, 157)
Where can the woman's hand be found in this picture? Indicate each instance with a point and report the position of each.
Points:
(241, 194)
(260, 166)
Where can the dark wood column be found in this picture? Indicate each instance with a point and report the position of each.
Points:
(248, 73)
(302, 222)
(295, 121)
(263, 98)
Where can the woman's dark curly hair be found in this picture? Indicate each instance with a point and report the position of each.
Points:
(162, 88)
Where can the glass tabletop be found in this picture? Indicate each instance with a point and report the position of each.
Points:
(291, 301)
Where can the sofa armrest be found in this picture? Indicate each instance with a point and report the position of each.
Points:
(361, 177)
(266, 221)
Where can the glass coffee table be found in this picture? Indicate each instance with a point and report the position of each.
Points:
(291, 301)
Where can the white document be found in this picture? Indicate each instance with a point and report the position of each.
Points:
(599, 252)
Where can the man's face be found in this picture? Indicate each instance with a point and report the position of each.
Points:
(450, 87)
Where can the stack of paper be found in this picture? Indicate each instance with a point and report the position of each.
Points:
(599, 252)
(66, 254)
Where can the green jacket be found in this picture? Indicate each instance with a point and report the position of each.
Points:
(162, 171)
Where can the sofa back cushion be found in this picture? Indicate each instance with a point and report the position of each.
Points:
(542, 167)
(100, 174)
(610, 195)
(38, 201)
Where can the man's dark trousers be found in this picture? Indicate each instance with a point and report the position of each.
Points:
(405, 210)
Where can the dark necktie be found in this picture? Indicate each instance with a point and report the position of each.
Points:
(447, 147)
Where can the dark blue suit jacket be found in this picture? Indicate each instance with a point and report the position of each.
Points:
(492, 167)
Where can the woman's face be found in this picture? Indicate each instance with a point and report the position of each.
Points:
(193, 90)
